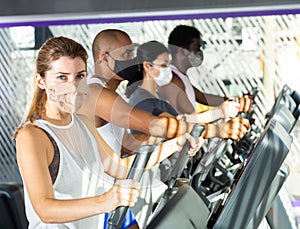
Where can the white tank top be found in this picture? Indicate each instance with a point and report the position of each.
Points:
(92, 80)
(189, 90)
(111, 133)
(81, 173)
(152, 187)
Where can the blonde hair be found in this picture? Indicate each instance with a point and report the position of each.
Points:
(51, 50)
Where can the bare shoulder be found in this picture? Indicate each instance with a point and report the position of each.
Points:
(32, 139)
(30, 131)
(177, 81)
(175, 85)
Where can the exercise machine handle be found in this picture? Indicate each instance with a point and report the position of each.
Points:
(136, 172)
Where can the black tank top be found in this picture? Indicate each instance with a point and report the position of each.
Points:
(54, 165)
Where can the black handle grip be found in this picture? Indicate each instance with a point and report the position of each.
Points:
(183, 156)
(136, 172)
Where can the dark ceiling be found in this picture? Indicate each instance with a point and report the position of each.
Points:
(64, 11)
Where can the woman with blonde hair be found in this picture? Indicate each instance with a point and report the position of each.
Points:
(69, 172)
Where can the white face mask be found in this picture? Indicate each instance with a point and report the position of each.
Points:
(195, 59)
(70, 95)
(164, 77)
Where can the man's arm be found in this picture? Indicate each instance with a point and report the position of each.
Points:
(208, 99)
(245, 101)
(108, 105)
(131, 142)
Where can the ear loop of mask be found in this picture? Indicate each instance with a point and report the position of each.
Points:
(152, 66)
(107, 54)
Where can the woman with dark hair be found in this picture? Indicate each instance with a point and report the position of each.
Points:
(155, 72)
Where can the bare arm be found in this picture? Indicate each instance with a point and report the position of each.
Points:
(174, 92)
(33, 159)
(235, 129)
(119, 167)
(131, 142)
(107, 104)
(228, 109)
(208, 99)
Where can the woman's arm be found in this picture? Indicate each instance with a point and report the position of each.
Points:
(34, 154)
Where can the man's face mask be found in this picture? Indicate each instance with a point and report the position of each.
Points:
(196, 58)
(70, 95)
(126, 69)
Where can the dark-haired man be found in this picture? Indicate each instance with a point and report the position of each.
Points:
(113, 62)
(185, 45)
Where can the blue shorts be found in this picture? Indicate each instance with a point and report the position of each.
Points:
(129, 220)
